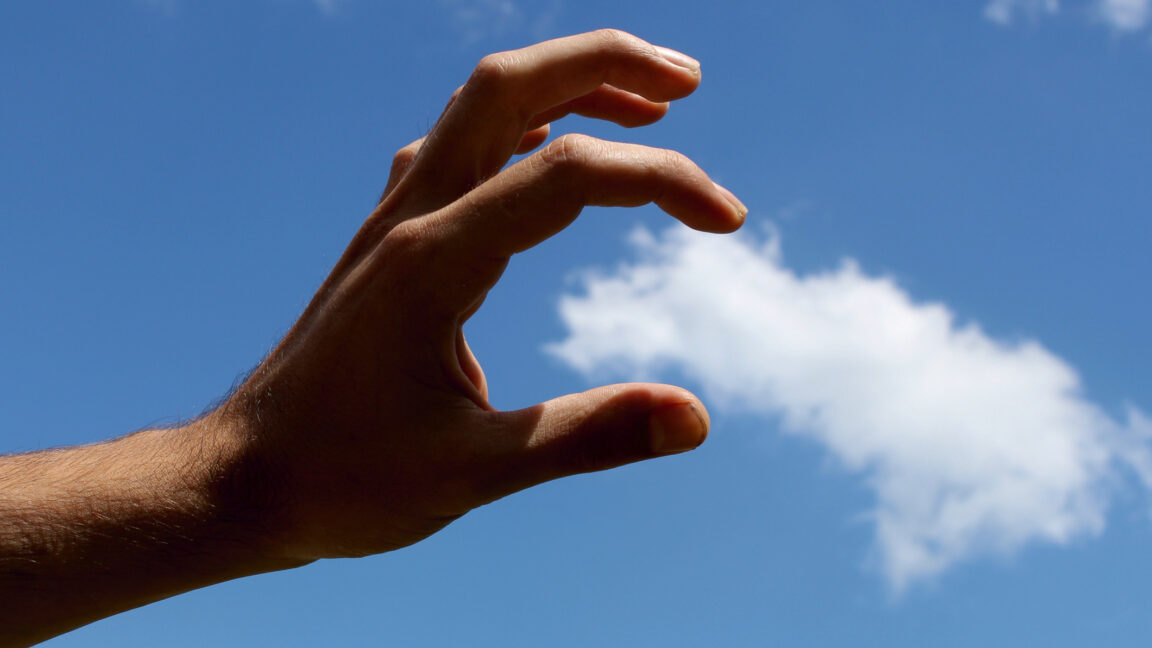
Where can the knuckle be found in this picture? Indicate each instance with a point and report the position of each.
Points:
(668, 160)
(615, 38)
(569, 150)
(494, 68)
(404, 156)
(405, 240)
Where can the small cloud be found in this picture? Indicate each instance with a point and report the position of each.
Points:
(477, 20)
(999, 12)
(326, 7)
(969, 445)
(1003, 12)
(1121, 15)
(1124, 15)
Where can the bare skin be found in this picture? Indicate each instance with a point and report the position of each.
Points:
(368, 428)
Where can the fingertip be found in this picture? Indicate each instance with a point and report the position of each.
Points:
(677, 428)
(679, 59)
(686, 68)
(610, 426)
(739, 211)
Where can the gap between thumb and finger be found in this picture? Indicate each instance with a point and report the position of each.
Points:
(600, 429)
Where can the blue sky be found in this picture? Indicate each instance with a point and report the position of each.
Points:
(926, 357)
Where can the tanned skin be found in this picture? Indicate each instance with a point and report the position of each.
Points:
(368, 428)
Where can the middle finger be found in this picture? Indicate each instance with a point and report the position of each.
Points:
(508, 92)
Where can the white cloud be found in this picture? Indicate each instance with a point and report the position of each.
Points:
(970, 445)
(1125, 15)
(1003, 12)
(476, 20)
(327, 7)
(1121, 15)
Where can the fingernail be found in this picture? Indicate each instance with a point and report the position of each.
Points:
(741, 209)
(679, 58)
(676, 428)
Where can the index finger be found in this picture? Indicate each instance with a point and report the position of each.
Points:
(508, 91)
(467, 244)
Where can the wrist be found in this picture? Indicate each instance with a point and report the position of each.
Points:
(237, 485)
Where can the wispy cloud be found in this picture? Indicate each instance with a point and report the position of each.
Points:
(1003, 12)
(1121, 15)
(1125, 15)
(327, 7)
(970, 445)
(477, 20)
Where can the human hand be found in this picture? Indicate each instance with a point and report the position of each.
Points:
(369, 428)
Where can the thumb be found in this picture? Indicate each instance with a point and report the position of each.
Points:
(600, 429)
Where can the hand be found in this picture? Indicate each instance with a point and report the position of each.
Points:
(369, 428)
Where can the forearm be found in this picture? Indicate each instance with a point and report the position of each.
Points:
(91, 531)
